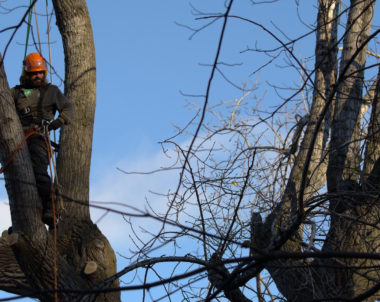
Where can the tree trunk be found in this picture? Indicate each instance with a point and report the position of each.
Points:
(344, 160)
(74, 159)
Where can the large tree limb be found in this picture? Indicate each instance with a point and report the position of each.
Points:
(73, 162)
(345, 134)
(282, 219)
(12, 278)
(372, 153)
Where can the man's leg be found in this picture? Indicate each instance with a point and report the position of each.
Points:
(40, 162)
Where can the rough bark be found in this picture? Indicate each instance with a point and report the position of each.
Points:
(74, 160)
(372, 153)
(344, 146)
(12, 278)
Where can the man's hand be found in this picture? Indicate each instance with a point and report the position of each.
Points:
(54, 125)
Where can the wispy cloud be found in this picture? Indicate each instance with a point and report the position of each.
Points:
(121, 191)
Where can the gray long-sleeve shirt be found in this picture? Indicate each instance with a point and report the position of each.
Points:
(31, 106)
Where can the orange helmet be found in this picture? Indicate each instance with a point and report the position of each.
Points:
(34, 62)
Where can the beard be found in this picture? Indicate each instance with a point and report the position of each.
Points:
(35, 82)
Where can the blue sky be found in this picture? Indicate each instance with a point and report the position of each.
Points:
(144, 61)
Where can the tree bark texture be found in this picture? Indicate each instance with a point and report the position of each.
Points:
(74, 160)
(344, 146)
(12, 278)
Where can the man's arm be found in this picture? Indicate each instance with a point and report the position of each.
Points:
(65, 108)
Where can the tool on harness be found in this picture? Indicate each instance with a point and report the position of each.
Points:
(39, 129)
(39, 124)
(25, 110)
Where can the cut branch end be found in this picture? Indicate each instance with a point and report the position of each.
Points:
(90, 268)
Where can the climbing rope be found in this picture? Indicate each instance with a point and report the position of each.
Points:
(38, 30)
(27, 135)
(48, 34)
(53, 197)
(50, 154)
(28, 29)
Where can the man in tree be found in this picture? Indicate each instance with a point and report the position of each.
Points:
(36, 103)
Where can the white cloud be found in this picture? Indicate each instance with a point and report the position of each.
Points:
(118, 190)
(5, 215)
(121, 191)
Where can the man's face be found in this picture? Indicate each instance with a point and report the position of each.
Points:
(36, 78)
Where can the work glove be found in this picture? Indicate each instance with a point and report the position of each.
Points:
(54, 125)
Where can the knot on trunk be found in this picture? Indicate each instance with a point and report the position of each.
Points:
(350, 195)
(218, 274)
(220, 277)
